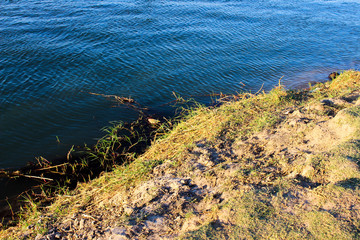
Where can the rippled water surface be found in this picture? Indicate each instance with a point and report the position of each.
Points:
(52, 53)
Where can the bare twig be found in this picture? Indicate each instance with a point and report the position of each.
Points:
(56, 166)
(36, 177)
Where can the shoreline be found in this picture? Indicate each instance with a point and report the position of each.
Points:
(76, 166)
(43, 175)
(249, 153)
(32, 171)
(147, 119)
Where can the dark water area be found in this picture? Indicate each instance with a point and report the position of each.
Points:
(52, 53)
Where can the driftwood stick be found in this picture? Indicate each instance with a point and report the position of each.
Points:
(120, 99)
(18, 174)
(36, 177)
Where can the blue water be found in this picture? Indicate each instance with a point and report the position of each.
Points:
(52, 52)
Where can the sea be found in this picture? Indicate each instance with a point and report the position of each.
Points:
(55, 53)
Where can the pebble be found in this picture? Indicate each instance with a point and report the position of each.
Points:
(128, 210)
(185, 181)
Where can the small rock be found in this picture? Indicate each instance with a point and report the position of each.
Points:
(175, 186)
(57, 235)
(288, 111)
(333, 75)
(307, 170)
(128, 210)
(185, 181)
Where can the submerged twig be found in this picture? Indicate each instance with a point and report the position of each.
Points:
(131, 103)
(120, 99)
(51, 167)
